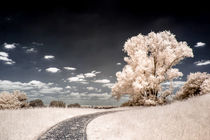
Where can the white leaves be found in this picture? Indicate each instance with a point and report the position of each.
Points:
(150, 61)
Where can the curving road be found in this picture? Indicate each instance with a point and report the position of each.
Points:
(71, 129)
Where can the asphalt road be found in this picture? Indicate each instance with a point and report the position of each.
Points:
(71, 129)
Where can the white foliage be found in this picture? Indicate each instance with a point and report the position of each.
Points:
(196, 84)
(149, 63)
(13, 100)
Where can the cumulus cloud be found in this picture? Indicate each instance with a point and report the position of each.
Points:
(31, 50)
(109, 85)
(49, 57)
(32, 86)
(9, 46)
(53, 70)
(88, 96)
(118, 64)
(200, 44)
(5, 58)
(77, 78)
(103, 81)
(93, 89)
(69, 68)
(80, 78)
(51, 90)
(92, 74)
(202, 62)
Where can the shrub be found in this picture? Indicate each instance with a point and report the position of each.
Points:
(13, 100)
(36, 103)
(57, 104)
(197, 84)
(74, 105)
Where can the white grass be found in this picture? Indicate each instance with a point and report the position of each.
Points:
(30, 123)
(187, 120)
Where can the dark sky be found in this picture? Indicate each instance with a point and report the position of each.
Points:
(88, 36)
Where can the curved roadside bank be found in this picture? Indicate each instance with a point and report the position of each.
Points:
(181, 120)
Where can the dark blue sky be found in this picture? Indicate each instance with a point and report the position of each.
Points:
(88, 37)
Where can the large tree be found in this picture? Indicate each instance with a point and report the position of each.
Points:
(150, 62)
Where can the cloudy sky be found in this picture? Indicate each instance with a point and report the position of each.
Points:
(72, 52)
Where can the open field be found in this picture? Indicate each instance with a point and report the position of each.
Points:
(27, 124)
(186, 120)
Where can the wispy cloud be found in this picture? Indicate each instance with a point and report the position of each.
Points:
(37, 43)
(5, 58)
(69, 68)
(92, 74)
(9, 46)
(53, 70)
(202, 62)
(31, 50)
(200, 44)
(103, 81)
(49, 57)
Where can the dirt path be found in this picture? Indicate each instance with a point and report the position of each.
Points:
(71, 129)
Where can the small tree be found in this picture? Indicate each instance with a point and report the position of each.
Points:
(36, 103)
(197, 83)
(149, 63)
(57, 104)
(77, 105)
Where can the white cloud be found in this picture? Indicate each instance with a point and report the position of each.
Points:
(103, 81)
(4, 54)
(202, 62)
(109, 85)
(88, 96)
(78, 78)
(90, 88)
(68, 87)
(53, 70)
(92, 74)
(5, 58)
(9, 46)
(31, 50)
(93, 89)
(49, 57)
(32, 86)
(200, 44)
(69, 68)
(118, 64)
(51, 90)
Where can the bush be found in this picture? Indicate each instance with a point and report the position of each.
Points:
(57, 104)
(74, 105)
(197, 84)
(36, 103)
(13, 100)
